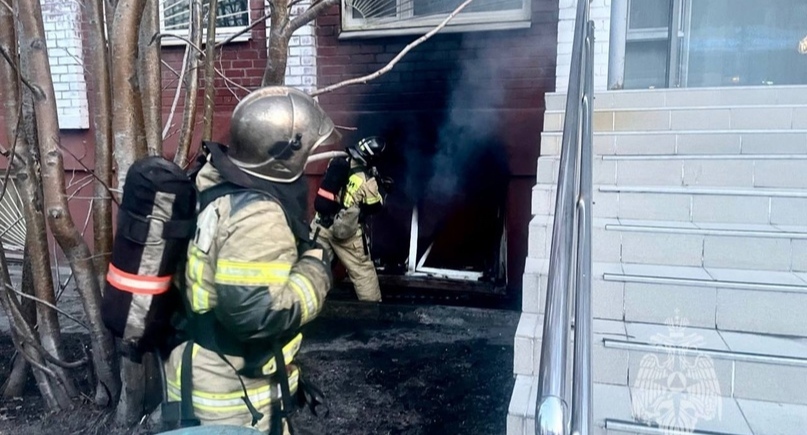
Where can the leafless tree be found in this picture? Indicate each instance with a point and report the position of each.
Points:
(210, 69)
(35, 65)
(191, 85)
(150, 77)
(98, 57)
(127, 114)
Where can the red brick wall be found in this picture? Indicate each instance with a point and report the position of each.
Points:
(492, 85)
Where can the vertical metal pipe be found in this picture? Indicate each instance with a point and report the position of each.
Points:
(413, 241)
(582, 415)
(552, 410)
(673, 64)
(617, 44)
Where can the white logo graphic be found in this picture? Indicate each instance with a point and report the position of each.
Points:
(675, 391)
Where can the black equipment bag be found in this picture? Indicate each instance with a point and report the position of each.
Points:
(156, 220)
(327, 202)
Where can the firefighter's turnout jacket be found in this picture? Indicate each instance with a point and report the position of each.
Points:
(244, 272)
(360, 196)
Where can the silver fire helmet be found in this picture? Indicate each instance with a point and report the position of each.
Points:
(273, 131)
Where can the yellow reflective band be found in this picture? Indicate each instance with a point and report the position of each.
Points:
(372, 200)
(200, 302)
(305, 292)
(232, 402)
(301, 297)
(353, 185)
(289, 351)
(251, 273)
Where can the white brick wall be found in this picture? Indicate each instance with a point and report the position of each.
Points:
(601, 15)
(63, 34)
(301, 70)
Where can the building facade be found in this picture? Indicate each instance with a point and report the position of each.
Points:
(462, 112)
(698, 235)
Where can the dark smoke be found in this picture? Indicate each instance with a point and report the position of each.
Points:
(471, 123)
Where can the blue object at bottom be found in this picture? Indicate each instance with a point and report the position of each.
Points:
(212, 430)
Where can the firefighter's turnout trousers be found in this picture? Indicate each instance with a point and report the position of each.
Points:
(359, 265)
(345, 237)
(245, 273)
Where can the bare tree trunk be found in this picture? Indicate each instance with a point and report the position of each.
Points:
(109, 13)
(131, 142)
(150, 78)
(191, 86)
(210, 69)
(34, 50)
(102, 121)
(27, 177)
(15, 384)
(275, 72)
(127, 109)
(131, 405)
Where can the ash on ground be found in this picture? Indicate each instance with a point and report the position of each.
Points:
(385, 369)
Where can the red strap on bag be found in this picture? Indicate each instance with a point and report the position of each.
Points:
(138, 284)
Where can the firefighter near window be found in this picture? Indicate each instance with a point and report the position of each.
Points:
(351, 191)
(252, 275)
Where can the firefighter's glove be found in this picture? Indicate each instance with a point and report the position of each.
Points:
(314, 249)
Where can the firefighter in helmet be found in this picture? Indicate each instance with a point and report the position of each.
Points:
(253, 275)
(351, 191)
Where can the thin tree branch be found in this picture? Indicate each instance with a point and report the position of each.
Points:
(170, 68)
(396, 59)
(37, 92)
(177, 93)
(227, 79)
(49, 305)
(296, 2)
(210, 67)
(32, 360)
(92, 173)
(181, 38)
(308, 16)
(22, 330)
(243, 31)
(24, 333)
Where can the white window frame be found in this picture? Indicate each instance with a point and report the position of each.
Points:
(405, 24)
(222, 33)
